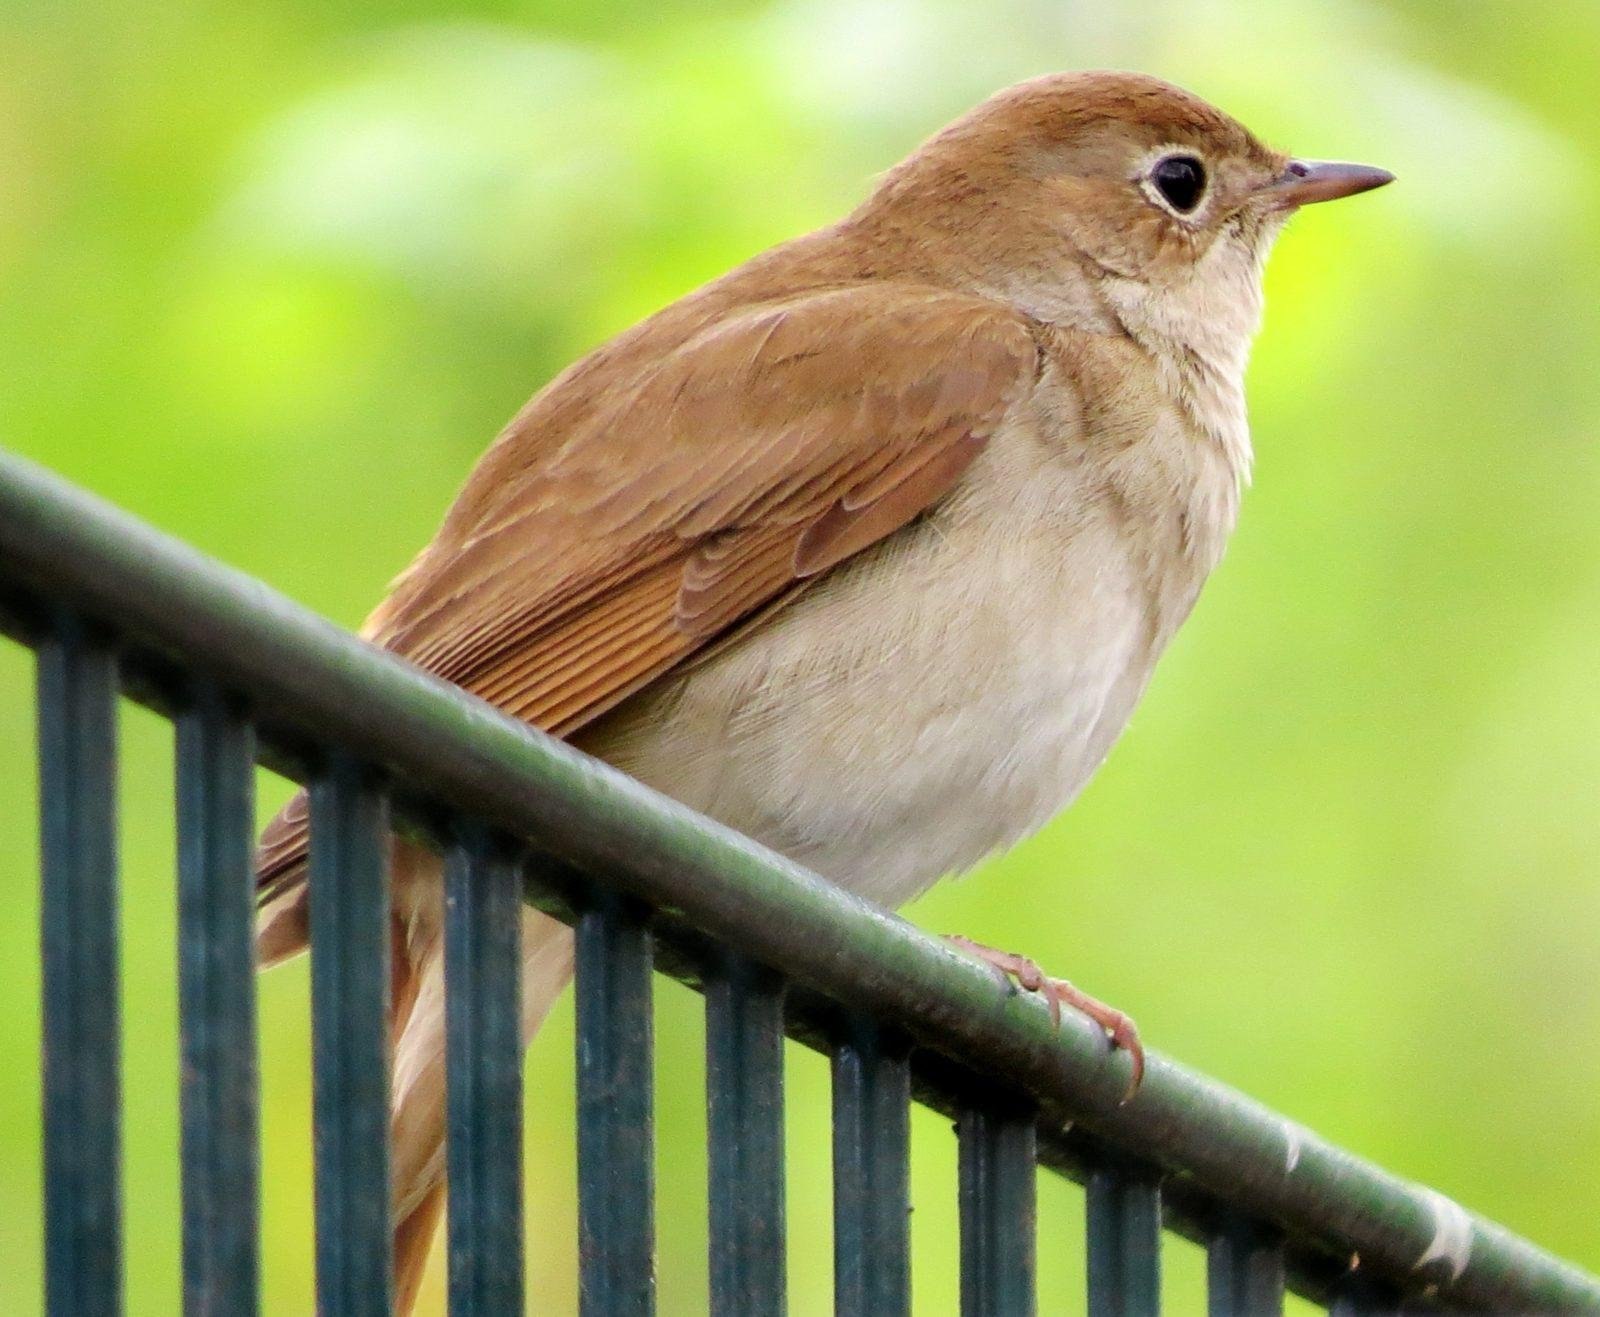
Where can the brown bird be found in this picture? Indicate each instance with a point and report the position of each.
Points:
(868, 548)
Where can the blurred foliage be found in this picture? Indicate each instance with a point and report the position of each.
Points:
(274, 273)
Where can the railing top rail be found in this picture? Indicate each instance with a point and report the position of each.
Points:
(313, 684)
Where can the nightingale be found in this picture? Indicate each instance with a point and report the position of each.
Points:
(868, 548)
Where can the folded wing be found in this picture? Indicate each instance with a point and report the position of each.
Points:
(607, 538)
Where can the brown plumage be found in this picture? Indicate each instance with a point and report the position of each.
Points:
(868, 547)
(721, 471)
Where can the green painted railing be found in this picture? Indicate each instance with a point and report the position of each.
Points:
(112, 607)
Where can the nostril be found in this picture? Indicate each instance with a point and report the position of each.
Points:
(1299, 170)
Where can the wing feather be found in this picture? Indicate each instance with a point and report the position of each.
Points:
(652, 499)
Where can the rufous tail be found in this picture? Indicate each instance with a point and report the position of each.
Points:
(416, 1020)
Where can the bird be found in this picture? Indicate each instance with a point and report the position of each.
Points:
(868, 548)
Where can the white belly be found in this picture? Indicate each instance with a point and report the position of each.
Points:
(933, 701)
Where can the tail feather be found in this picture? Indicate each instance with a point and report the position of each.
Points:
(416, 1019)
(413, 1241)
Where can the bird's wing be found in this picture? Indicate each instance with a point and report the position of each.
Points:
(578, 566)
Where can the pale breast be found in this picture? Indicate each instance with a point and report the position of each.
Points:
(932, 701)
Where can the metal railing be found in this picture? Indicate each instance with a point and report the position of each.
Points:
(111, 607)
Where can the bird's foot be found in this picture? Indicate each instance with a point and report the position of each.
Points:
(1118, 1027)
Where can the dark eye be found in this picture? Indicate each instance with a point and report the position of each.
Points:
(1181, 179)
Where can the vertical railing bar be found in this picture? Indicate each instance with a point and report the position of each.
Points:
(1244, 1269)
(744, 1120)
(1123, 1205)
(77, 694)
(483, 1049)
(871, 1180)
(1360, 1294)
(350, 1063)
(218, 1092)
(615, 1079)
(997, 1151)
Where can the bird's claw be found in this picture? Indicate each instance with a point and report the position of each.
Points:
(1118, 1028)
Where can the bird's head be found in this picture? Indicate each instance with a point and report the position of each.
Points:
(1079, 194)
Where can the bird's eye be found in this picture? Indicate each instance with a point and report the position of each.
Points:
(1181, 179)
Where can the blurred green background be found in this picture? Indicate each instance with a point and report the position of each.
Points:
(273, 273)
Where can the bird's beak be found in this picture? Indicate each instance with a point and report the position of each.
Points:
(1305, 181)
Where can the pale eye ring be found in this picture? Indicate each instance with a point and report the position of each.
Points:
(1181, 181)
